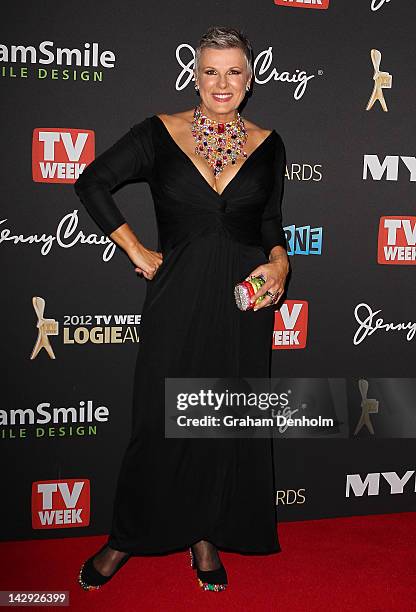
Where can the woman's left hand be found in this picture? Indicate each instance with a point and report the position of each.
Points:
(275, 273)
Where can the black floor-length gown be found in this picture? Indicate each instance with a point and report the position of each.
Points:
(174, 492)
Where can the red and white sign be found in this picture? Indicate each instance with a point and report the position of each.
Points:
(313, 4)
(291, 325)
(397, 241)
(60, 155)
(59, 504)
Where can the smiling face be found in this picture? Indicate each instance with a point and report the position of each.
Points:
(222, 79)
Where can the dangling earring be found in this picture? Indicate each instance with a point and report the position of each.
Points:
(196, 87)
(248, 87)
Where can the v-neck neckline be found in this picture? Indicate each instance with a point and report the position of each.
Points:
(219, 195)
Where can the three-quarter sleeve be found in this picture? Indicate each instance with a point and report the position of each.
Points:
(130, 157)
(272, 231)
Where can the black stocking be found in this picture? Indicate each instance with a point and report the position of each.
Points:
(206, 555)
(105, 562)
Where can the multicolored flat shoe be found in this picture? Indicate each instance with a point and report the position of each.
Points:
(193, 563)
(90, 578)
(210, 580)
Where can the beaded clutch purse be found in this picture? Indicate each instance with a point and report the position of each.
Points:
(244, 290)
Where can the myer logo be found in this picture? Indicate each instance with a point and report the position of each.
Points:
(358, 487)
(397, 240)
(57, 504)
(60, 155)
(290, 325)
(316, 4)
(388, 168)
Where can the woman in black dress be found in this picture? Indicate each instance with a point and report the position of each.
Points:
(219, 221)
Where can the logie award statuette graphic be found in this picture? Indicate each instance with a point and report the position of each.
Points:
(382, 80)
(368, 406)
(46, 327)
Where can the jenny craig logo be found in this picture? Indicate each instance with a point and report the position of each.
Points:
(57, 504)
(262, 69)
(396, 243)
(61, 155)
(67, 236)
(16, 58)
(388, 169)
(368, 325)
(378, 4)
(83, 329)
(313, 4)
(290, 325)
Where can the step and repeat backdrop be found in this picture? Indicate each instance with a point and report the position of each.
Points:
(337, 80)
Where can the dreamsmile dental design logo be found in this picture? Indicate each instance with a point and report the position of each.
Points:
(46, 419)
(49, 61)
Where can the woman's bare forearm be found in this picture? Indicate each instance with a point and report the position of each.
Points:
(125, 238)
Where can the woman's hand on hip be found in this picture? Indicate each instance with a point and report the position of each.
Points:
(145, 260)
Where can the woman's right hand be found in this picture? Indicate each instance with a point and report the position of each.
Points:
(145, 260)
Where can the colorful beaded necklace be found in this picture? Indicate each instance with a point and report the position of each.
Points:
(219, 143)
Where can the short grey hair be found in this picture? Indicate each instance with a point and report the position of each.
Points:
(217, 37)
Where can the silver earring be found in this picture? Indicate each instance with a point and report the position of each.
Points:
(196, 87)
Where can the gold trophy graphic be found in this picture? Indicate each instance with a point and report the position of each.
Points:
(46, 327)
(382, 80)
(368, 406)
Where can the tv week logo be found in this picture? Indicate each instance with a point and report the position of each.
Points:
(57, 504)
(313, 4)
(291, 325)
(60, 155)
(397, 241)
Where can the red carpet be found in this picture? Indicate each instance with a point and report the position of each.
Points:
(360, 563)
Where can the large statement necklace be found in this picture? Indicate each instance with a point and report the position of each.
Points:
(219, 143)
